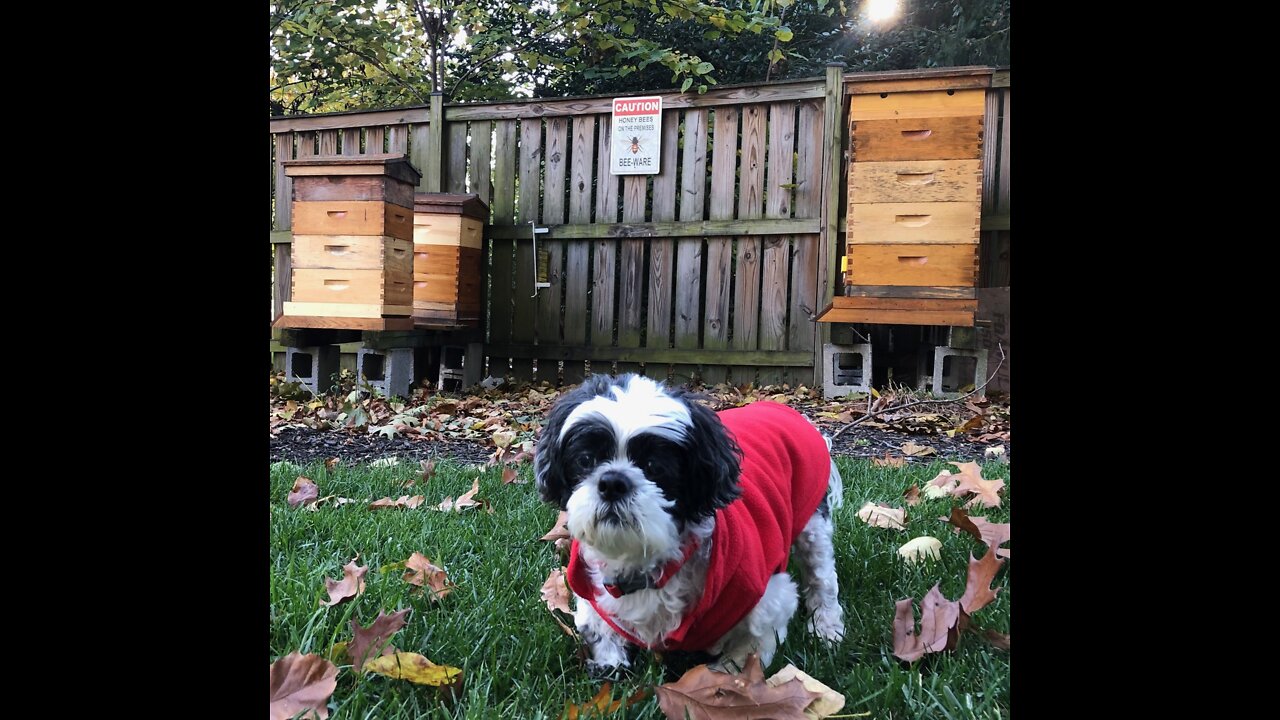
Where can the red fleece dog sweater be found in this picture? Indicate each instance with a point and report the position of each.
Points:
(785, 472)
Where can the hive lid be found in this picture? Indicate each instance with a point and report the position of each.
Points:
(469, 205)
(394, 165)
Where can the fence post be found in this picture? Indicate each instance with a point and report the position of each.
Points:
(433, 159)
(833, 177)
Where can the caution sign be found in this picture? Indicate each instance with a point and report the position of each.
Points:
(637, 136)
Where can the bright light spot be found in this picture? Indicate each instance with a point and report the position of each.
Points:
(881, 10)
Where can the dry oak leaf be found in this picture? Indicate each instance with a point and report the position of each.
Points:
(977, 589)
(883, 516)
(709, 695)
(888, 461)
(465, 500)
(428, 469)
(998, 640)
(912, 496)
(938, 618)
(402, 501)
(829, 701)
(351, 584)
(509, 475)
(416, 669)
(370, 642)
(970, 481)
(913, 450)
(555, 593)
(941, 486)
(302, 682)
(993, 534)
(423, 573)
(601, 704)
(304, 492)
(561, 529)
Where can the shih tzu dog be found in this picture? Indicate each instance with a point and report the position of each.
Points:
(683, 520)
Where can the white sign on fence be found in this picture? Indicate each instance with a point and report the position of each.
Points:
(637, 136)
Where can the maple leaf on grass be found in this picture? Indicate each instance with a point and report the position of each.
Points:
(977, 590)
(304, 492)
(423, 573)
(302, 682)
(969, 480)
(351, 584)
(938, 618)
(709, 695)
(370, 642)
(601, 704)
(884, 516)
(416, 669)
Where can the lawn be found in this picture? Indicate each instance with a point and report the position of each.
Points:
(519, 664)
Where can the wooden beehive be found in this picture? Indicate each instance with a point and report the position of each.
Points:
(448, 259)
(352, 251)
(914, 212)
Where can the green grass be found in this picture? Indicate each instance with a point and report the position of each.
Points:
(519, 664)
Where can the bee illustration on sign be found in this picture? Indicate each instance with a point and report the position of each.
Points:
(634, 145)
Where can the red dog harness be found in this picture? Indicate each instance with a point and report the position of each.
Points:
(785, 473)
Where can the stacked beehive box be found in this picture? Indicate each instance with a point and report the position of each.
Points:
(352, 242)
(448, 259)
(914, 211)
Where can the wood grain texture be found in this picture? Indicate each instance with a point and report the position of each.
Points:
(351, 287)
(931, 265)
(719, 275)
(555, 167)
(914, 223)
(577, 282)
(688, 278)
(352, 187)
(351, 141)
(990, 160)
(503, 281)
(932, 104)
(933, 138)
(1002, 195)
(756, 227)
(631, 268)
(340, 323)
(375, 140)
(522, 327)
(358, 118)
(746, 301)
(435, 229)
(307, 143)
(662, 251)
(893, 291)
(955, 318)
(352, 217)
(893, 303)
(421, 153)
(805, 270)
(282, 270)
(481, 154)
(352, 252)
(952, 83)
(914, 181)
(604, 252)
(398, 140)
(775, 255)
(433, 167)
(328, 143)
(455, 175)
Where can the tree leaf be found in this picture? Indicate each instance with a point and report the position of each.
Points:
(877, 515)
(302, 682)
(351, 584)
(416, 669)
(829, 701)
(708, 695)
(783, 34)
(304, 492)
(923, 546)
(423, 573)
(370, 642)
(977, 590)
(684, 86)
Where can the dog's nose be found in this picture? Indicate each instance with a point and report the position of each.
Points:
(613, 485)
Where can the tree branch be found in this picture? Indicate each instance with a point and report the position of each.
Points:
(881, 411)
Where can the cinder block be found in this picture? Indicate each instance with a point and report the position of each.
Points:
(391, 371)
(452, 375)
(313, 367)
(941, 352)
(838, 381)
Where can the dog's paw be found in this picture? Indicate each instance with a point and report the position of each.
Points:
(828, 625)
(598, 671)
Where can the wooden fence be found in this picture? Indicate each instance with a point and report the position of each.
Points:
(712, 269)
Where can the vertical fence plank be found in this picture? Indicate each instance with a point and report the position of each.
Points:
(350, 141)
(529, 191)
(328, 143)
(433, 150)
(746, 301)
(693, 176)
(775, 255)
(834, 124)
(455, 180)
(577, 252)
(1002, 191)
(724, 163)
(421, 153)
(631, 269)
(481, 144)
(398, 140)
(374, 140)
(804, 261)
(282, 278)
(662, 250)
(604, 263)
(990, 146)
(553, 212)
(504, 184)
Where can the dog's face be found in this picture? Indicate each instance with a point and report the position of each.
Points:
(633, 464)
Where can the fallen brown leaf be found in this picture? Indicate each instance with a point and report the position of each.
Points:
(993, 534)
(969, 480)
(877, 515)
(938, 617)
(428, 470)
(601, 704)
(302, 682)
(370, 642)
(423, 573)
(555, 592)
(416, 669)
(829, 701)
(561, 529)
(509, 475)
(887, 461)
(913, 450)
(999, 641)
(941, 486)
(912, 496)
(331, 463)
(977, 590)
(304, 492)
(351, 584)
(467, 499)
(402, 501)
(708, 695)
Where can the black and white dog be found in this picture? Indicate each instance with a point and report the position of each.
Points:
(683, 520)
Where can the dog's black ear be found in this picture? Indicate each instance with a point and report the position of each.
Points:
(548, 470)
(714, 456)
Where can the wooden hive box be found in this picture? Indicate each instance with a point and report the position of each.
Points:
(448, 259)
(914, 207)
(352, 248)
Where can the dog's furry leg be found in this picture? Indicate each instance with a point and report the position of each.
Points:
(608, 649)
(762, 630)
(815, 553)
